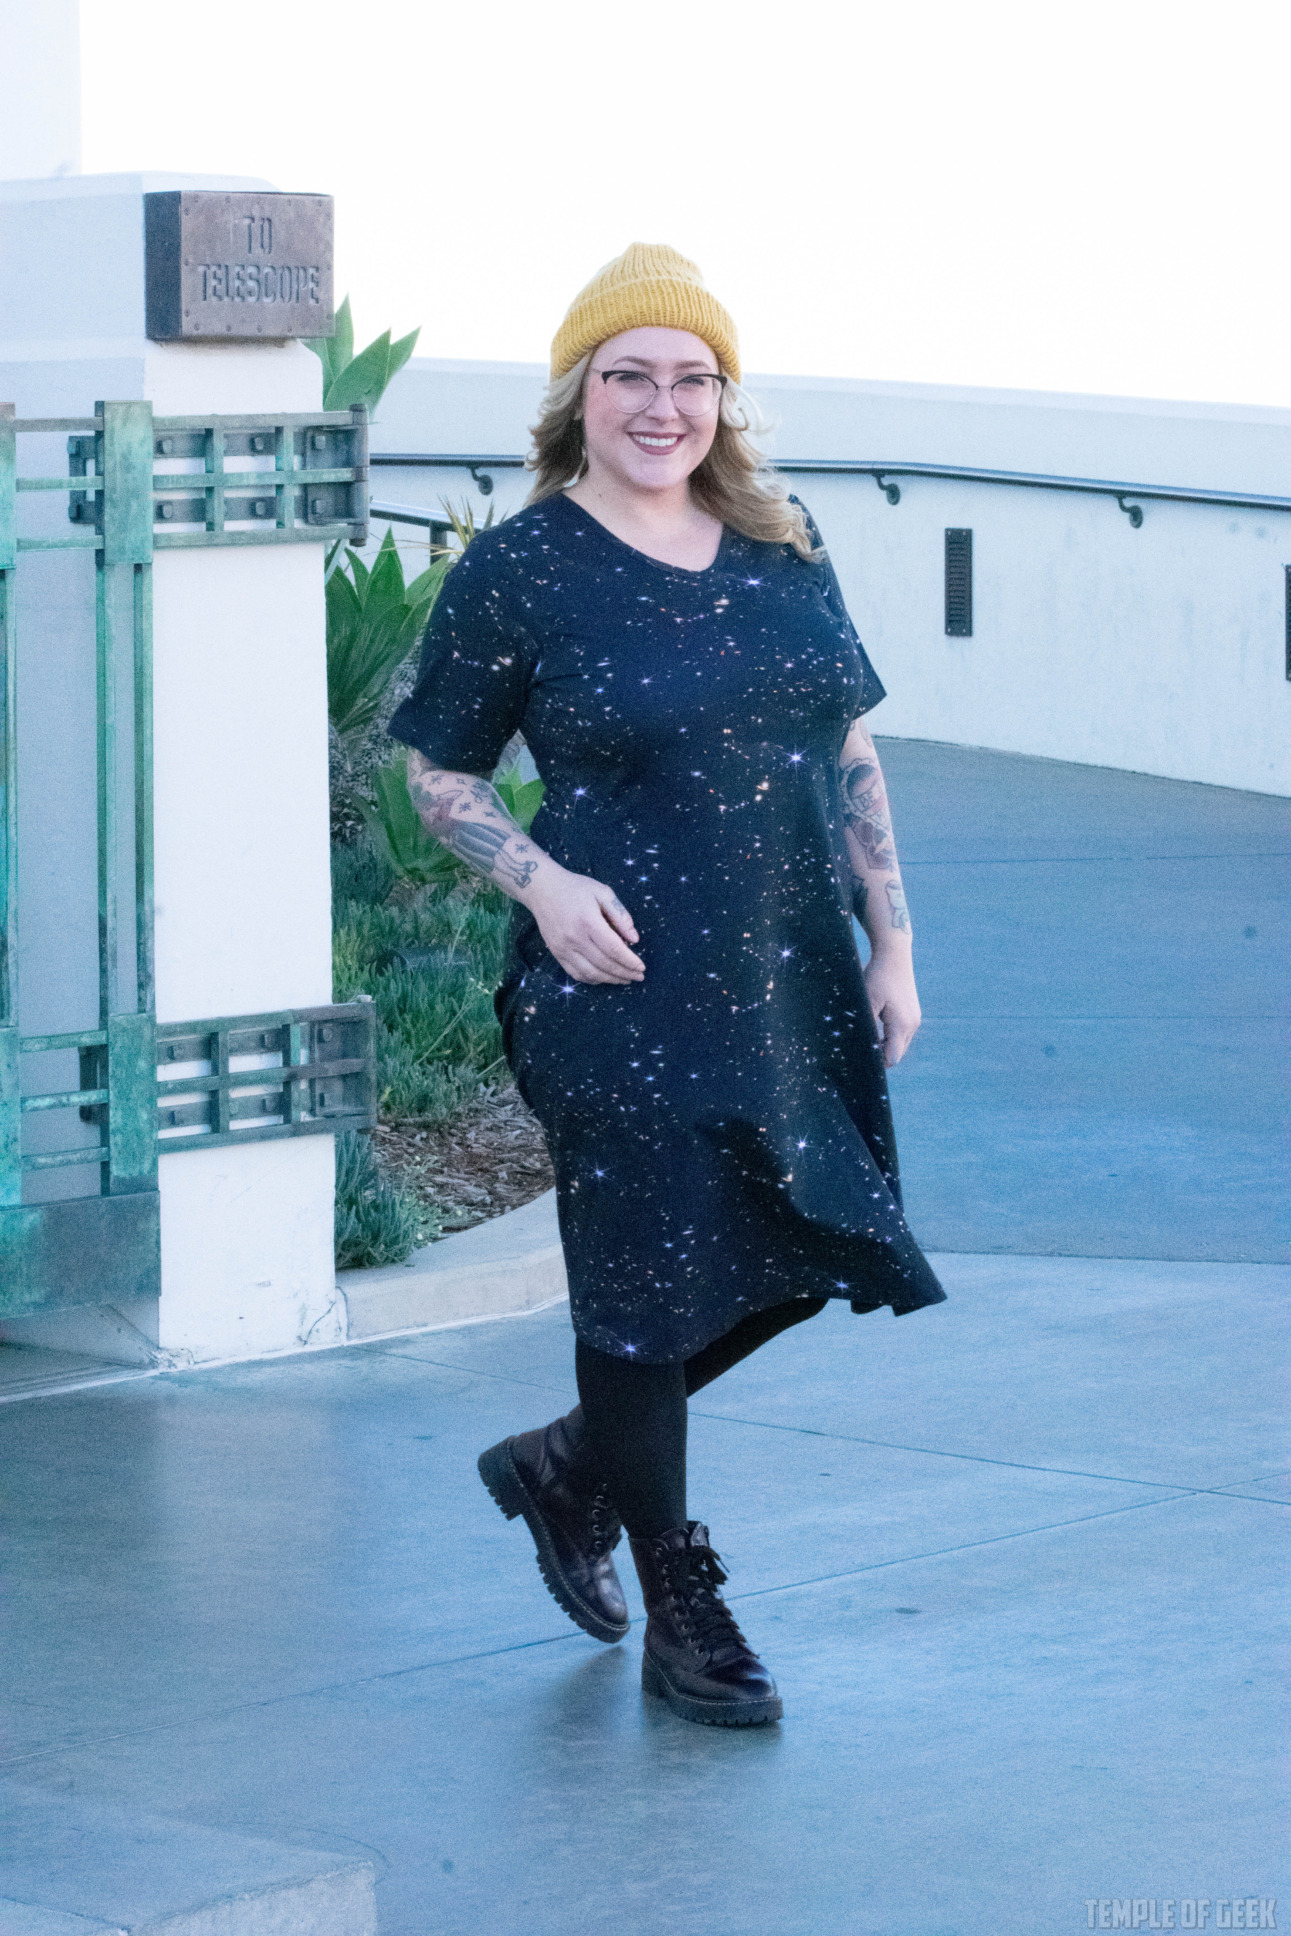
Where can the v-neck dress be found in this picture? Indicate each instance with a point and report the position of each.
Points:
(721, 1131)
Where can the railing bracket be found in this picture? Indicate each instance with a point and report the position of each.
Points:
(1134, 512)
(892, 492)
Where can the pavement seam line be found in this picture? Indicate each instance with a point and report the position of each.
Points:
(968, 1546)
(216, 1715)
(469, 1371)
(888, 1445)
(971, 1458)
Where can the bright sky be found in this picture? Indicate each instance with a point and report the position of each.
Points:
(1083, 196)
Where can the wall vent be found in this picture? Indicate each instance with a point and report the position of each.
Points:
(959, 584)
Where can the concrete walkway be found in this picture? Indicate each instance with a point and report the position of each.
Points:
(1012, 1559)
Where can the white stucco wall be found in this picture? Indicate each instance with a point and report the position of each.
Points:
(240, 758)
(1160, 650)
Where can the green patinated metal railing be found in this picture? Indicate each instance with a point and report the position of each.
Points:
(301, 478)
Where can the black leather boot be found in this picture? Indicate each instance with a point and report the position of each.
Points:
(545, 1478)
(695, 1656)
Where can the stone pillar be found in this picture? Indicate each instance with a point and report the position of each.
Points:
(240, 753)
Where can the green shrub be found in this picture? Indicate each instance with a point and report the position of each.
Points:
(442, 1020)
(438, 1043)
(469, 923)
(424, 1092)
(374, 1224)
(374, 621)
(358, 873)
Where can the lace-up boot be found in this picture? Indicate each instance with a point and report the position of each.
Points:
(695, 1657)
(545, 1478)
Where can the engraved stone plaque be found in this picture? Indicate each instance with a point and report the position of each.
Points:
(237, 265)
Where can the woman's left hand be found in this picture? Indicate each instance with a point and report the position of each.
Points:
(889, 982)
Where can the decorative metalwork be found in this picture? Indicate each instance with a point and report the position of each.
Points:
(299, 477)
(189, 1085)
(301, 1072)
(303, 477)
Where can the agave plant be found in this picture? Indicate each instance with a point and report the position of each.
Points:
(350, 379)
(415, 857)
(373, 622)
(521, 798)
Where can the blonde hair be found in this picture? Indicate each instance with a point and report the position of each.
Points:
(734, 484)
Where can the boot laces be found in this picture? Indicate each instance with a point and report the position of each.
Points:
(696, 1575)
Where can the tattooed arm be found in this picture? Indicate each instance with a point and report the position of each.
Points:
(582, 921)
(877, 894)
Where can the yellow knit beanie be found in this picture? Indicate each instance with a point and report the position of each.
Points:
(649, 284)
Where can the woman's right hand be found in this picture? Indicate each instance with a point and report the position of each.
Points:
(585, 925)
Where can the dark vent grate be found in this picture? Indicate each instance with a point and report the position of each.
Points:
(959, 584)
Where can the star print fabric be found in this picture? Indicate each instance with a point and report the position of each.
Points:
(721, 1132)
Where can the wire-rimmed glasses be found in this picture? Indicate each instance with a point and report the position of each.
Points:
(696, 395)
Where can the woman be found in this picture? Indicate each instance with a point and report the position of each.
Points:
(684, 1008)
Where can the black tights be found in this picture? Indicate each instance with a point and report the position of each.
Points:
(634, 1415)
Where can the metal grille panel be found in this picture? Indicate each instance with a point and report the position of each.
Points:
(136, 484)
(959, 583)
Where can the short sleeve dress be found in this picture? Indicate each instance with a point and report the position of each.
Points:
(721, 1131)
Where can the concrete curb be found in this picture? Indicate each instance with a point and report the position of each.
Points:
(511, 1264)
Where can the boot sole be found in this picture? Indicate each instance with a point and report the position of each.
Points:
(498, 1471)
(712, 1714)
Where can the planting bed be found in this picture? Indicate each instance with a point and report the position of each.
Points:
(455, 1143)
(490, 1157)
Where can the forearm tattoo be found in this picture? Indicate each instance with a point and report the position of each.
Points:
(865, 811)
(897, 907)
(467, 816)
(867, 823)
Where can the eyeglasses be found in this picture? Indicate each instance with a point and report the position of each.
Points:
(632, 390)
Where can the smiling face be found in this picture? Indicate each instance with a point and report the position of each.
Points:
(656, 447)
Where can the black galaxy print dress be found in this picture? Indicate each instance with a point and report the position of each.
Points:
(721, 1131)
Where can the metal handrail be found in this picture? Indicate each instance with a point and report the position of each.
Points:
(882, 474)
(479, 467)
(409, 514)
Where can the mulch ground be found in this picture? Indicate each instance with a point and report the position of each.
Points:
(492, 1157)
